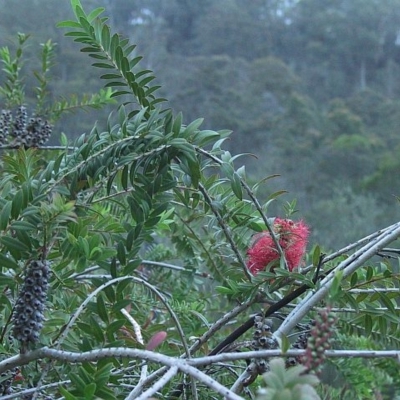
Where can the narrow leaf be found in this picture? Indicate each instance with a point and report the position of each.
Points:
(95, 13)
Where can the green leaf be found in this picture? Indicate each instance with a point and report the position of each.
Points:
(5, 215)
(135, 61)
(95, 13)
(6, 281)
(236, 186)
(89, 391)
(106, 393)
(67, 395)
(84, 245)
(101, 309)
(121, 304)
(316, 256)
(77, 381)
(96, 253)
(192, 127)
(382, 325)
(255, 226)
(19, 202)
(97, 331)
(285, 344)
(146, 80)
(361, 297)
(93, 55)
(8, 263)
(110, 76)
(131, 266)
(86, 328)
(103, 65)
(350, 300)
(370, 273)
(102, 375)
(115, 84)
(120, 93)
(121, 255)
(176, 126)
(115, 326)
(124, 177)
(242, 172)
(68, 24)
(335, 288)
(354, 279)
(387, 302)
(23, 226)
(276, 194)
(368, 324)
(223, 290)
(13, 244)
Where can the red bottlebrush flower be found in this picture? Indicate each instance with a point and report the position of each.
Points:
(292, 237)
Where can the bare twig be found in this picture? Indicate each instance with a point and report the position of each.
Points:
(221, 323)
(95, 355)
(226, 230)
(348, 266)
(156, 387)
(146, 355)
(32, 391)
(175, 268)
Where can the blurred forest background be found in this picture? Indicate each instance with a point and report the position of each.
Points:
(310, 87)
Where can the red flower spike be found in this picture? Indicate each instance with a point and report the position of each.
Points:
(292, 237)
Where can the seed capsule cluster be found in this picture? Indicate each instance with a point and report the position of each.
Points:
(28, 313)
(301, 344)
(5, 124)
(19, 131)
(262, 340)
(319, 340)
(6, 380)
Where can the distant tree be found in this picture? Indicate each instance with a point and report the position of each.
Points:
(227, 27)
(343, 43)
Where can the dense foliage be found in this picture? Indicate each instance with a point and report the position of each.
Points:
(124, 254)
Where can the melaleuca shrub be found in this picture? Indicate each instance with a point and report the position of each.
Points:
(28, 315)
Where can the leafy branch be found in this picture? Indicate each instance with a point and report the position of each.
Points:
(112, 53)
(13, 88)
(190, 367)
(74, 103)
